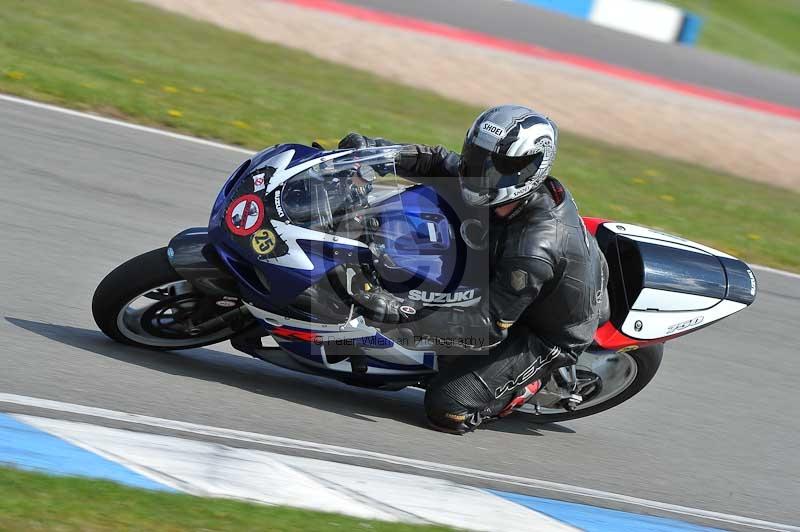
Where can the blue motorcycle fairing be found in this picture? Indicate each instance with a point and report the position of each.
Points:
(415, 228)
(422, 251)
(303, 344)
(256, 162)
(267, 285)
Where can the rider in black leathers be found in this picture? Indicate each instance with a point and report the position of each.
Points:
(547, 288)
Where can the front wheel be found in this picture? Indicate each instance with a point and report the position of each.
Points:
(144, 302)
(610, 379)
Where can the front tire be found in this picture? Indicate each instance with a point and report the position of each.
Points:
(645, 363)
(145, 303)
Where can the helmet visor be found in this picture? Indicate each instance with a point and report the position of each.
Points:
(486, 176)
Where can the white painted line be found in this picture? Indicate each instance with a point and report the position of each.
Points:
(790, 275)
(120, 123)
(271, 478)
(277, 441)
(212, 144)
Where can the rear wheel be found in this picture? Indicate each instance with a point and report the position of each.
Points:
(604, 381)
(144, 302)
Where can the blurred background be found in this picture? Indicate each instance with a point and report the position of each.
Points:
(674, 114)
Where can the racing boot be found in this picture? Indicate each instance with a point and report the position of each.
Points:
(462, 423)
(522, 397)
(459, 424)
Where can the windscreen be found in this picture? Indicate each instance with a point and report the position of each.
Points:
(335, 196)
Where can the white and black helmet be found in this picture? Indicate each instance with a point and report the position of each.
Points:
(508, 153)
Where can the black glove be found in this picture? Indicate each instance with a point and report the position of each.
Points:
(357, 141)
(374, 303)
(382, 306)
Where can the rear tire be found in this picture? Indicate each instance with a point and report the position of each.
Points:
(133, 280)
(647, 359)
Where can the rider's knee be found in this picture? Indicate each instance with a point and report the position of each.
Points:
(454, 407)
(446, 415)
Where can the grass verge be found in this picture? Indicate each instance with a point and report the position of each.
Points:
(34, 501)
(131, 60)
(764, 31)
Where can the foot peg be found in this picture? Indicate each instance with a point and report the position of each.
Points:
(572, 402)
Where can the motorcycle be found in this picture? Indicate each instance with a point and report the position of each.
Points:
(294, 226)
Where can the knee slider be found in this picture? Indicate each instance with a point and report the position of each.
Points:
(457, 405)
(444, 412)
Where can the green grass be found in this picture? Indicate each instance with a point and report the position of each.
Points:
(33, 501)
(131, 60)
(763, 31)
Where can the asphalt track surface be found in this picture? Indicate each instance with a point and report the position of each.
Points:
(522, 22)
(715, 430)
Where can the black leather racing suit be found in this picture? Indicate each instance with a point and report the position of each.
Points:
(546, 293)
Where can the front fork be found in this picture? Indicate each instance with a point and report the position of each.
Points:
(192, 257)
